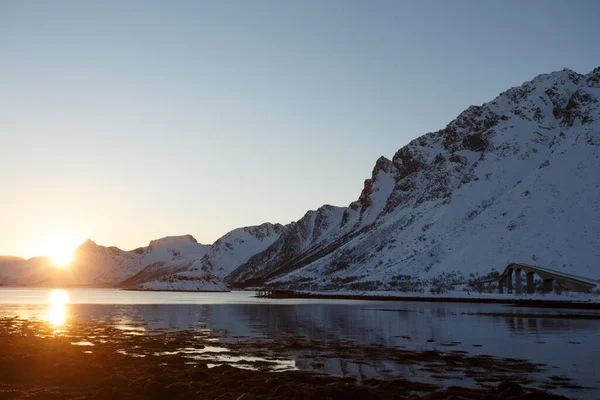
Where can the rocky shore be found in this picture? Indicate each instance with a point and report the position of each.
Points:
(89, 360)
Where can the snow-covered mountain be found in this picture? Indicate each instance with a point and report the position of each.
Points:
(170, 263)
(205, 271)
(16, 270)
(514, 180)
(96, 265)
(236, 247)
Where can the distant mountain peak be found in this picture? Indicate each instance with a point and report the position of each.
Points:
(382, 164)
(88, 244)
(172, 240)
(593, 78)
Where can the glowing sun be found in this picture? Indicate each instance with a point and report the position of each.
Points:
(60, 250)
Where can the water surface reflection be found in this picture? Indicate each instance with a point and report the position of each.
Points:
(568, 346)
(57, 314)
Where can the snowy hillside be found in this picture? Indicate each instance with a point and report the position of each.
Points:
(513, 180)
(299, 238)
(237, 246)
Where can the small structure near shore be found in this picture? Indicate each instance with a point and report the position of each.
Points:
(274, 293)
(548, 277)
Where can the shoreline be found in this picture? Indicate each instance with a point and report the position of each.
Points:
(538, 303)
(172, 290)
(93, 360)
(553, 303)
(527, 302)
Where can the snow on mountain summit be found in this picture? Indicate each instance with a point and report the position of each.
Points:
(174, 248)
(171, 241)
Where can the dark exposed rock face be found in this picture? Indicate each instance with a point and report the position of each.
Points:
(406, 163)
(593, 79)
(365, 200)
(365, 196)
(578, 107)
(475, 142)
(264, 230)
(473, 120)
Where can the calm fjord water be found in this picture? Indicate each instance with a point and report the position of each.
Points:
(568, 346)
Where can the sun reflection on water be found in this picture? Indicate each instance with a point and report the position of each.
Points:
(58, 313)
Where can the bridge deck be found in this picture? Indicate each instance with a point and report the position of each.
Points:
(576, 281)
(558, 273)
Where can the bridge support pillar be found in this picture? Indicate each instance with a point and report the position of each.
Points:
(501, 286)
(518, 286)
(509, 280)
(547, 285)
(530, 287)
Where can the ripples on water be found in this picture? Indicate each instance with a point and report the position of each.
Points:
(568, 346)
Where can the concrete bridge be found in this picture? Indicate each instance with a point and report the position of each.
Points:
(548, 276)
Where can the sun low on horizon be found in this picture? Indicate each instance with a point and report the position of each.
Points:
(60, 250)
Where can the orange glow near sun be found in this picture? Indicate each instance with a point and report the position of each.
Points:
(60, 250)
(57, 313)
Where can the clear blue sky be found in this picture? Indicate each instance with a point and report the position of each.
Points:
(125, 121)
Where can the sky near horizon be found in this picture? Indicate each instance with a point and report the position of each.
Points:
(128, 121)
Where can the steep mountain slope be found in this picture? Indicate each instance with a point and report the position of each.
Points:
(516, 179)
(236, 247)
(320, 232)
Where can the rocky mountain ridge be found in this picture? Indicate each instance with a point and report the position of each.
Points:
(498, 184)
(515, 179)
